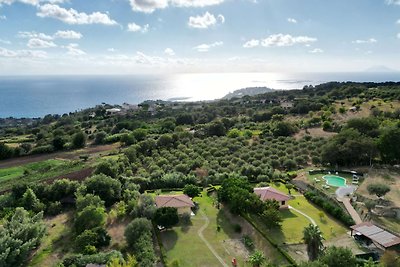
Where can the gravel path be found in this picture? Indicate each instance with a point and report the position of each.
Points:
(200, 233)
(305, 215)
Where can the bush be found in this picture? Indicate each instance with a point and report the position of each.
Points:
(185, 218)
(54, 208)
(331, 208)
(248, 242)
(82, 260)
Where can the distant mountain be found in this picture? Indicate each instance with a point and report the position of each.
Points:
(380, 68)
(250, 91)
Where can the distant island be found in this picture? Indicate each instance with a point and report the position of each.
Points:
(250, 91)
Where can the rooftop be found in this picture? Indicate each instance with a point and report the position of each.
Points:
(270, 193)
(175, 201)
(376, 234)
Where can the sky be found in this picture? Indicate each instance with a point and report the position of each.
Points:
(179, 36)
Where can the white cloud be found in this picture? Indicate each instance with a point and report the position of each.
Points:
(251, 43)
(316, 51)
(22, 53)
(73, 50)
(368, 41)
(32, 2)
(286, 40)
(398, 35)
(169, 52)
(39, 43)
(3, 17)
(393, 2)
(207, 47)
(398, 21)
(71, 16)
(133, 27)
(68, 35)
(205, 21)
(2, 41)
(292, 20)
(112, 50)
(149, 6)
(34, 34)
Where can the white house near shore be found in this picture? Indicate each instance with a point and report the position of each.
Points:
(270, 193)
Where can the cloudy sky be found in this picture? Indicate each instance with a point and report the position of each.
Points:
(172, 36)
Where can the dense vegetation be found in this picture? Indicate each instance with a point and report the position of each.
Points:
(234, 143)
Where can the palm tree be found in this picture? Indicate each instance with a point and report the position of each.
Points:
(312, 236)
(257, 258)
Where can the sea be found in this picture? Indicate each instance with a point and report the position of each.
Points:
(37, 96)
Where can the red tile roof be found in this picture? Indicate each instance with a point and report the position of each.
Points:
(175, 201)
(270, 193)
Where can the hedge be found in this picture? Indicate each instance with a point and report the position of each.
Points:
(271, 241)
(331, 208)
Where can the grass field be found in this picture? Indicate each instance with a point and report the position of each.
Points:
(184, 243)
(293, 223)
(36, 171)
(56, 242)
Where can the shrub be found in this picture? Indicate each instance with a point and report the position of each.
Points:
(248, 242)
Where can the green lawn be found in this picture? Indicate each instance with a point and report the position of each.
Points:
(184, 243)
(293, 223)
(37, 171)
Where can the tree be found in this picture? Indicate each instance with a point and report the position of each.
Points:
(312, 236)
(191, 190)
(107, 168)
(378, 189)
(389, 144)
(107, 188)
(79, 140)
(88, 200)
(257, 258)
(289, 187)
(338, 256)
(89, 218)
(18, 236)
(271, 217)
(129, 262)
(58, 142)
(30, 201)
(166, 216)
(138, 235)
(283, 128)
(5, 151)
(165, 140)
(99, 138)
(137, 228)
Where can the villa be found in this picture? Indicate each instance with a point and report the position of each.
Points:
(182, 203)
(270, 193)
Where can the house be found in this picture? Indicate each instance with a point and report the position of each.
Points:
(270, 193)
(368, 234)
(182, 203)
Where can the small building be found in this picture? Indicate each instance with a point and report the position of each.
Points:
(182, 203)
(369, 233)
(113, 111)
(270, 193)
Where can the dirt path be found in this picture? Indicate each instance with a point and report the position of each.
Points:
(60, 155)
(351, 210)
(305, 215)
(200, 233)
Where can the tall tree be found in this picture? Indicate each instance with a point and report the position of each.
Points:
(312, 236)
(257, 258)
(19, 236)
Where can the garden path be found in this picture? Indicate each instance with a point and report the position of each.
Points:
(305, 215)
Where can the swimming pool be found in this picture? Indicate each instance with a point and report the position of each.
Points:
(334, 180)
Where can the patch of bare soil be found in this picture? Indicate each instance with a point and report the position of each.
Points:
(383, 176)
(60, 155)
(314, 132)
(235, 247)
(116, 230)
(75, 176)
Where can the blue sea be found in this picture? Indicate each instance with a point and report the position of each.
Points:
(36, 96)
